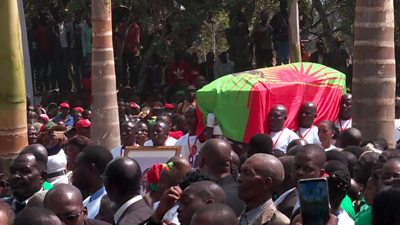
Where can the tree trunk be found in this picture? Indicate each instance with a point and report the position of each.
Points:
(105, 124)
(294, 32)
(326, 27)
(13, 121)
(374, 69)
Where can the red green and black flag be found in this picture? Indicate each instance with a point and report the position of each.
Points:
(241, 101)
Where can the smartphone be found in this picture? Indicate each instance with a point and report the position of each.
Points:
(314, 201)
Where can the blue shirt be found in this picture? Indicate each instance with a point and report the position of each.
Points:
(69, 122)
(92, 203)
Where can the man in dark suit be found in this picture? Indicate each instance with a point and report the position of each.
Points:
(65, 201)
(27, 174)
(215, 160)
(122, 181)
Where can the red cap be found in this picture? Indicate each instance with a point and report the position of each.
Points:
(169, 106)
(78, 109)
(133, 105)
(44, 117)
(84, 123)
(64, 105)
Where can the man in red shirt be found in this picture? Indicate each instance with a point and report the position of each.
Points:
(178, 72)
(130, 52)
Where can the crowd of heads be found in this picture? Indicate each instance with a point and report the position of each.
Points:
(215, 180)
(62, 177)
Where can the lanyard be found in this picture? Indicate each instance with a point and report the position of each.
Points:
(305, 135)
(345, 124)
(276, 141)
(193, 149)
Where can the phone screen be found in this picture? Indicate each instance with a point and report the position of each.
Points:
(314, 201)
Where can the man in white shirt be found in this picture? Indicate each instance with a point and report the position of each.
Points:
(280, 136)
(122, 181)
(160, 136)
(344, 121)
(189, 142)
(89, 167)
(306, 129)
(128, 138)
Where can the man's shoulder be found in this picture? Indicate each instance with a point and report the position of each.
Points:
(136, 213)
(170, 141)
(182, 140)
(272, 216)
(290, 133)
(95, 222)
(279, 219)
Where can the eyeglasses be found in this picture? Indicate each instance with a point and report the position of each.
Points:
(70, 217)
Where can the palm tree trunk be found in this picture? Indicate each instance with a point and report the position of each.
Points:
(374, 69)
(105, 124)
(13, 121)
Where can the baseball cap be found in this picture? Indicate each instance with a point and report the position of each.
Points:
(133, 105)
(169, 106)
(64, 105)
(84, 123)
(79, 109)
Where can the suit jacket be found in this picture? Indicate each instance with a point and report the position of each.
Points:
(230, 187)
(9, 201)
(95, 222)
(135, 214)
(271, 216)
(287, 205)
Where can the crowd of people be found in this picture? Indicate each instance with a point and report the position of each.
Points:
(61, 177)
(61, 51)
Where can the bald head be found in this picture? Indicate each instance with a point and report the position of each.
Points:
(62, 194)
(351, 136)
(307, 113)
(215, 214)
(38, 150)
(37, 216)
(208, 190)
(215, 157)
(122, 178)
(268, 166)
(276, 118)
